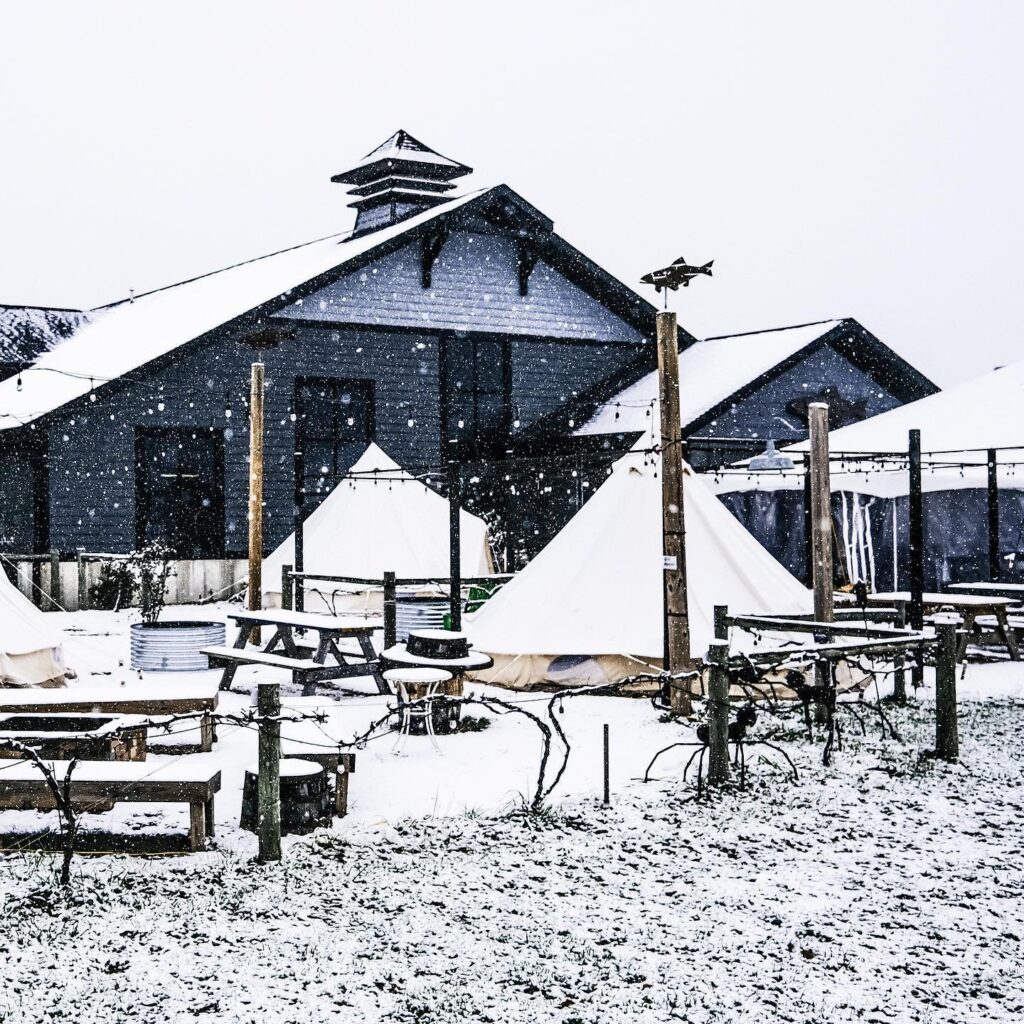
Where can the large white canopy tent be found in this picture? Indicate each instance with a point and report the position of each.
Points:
(31, 651)
(589, 607)
(380, 519)
(869, 470)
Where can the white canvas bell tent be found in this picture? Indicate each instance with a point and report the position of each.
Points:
(31, 651)
(380, 520)
(588, 608)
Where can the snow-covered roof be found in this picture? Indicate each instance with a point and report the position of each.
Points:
(131, 334)
(402, 146)
(710, 371)
(28, 331)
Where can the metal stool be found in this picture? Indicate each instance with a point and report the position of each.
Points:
(417, 690)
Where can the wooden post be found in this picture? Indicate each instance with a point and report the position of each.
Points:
(722, 622)
(299, 499)
(673, 526)
(256, 491)
(287, 587)
(607, 768)
(83, 584)
(454, 545)
(821, 535)
(899, 679)
(268, 704)
(993, 515)
(718, 713)
(56, 597)
(915, 510)
(390, 611)
(821, 513)
(947, 741)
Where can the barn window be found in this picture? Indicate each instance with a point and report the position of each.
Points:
(334, 426)
(179, 487)
(476, 396)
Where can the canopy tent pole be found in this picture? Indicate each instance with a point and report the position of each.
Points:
(255, 601)
(676, 610)
(916, 517)
(993, 515)
(454, 545)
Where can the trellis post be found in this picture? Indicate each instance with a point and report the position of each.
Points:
(298, 498)
(821, 533)
(718, 713)
(268, 704)
(947, 740)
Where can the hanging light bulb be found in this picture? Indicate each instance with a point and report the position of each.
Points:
(20, 385)
(227, 406)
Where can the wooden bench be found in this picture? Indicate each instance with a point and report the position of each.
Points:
(99, 785)
(170, 699)
(305, 671)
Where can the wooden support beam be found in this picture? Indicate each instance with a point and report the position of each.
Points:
(83, 584)
(287, 587)
(821, 513)
(821, 532)
(390, 611)
(268, 704)
(676, 615)
(915, 610)
(56, 597)
(256, 389)
(299, 519)
(454, 544)
(993, 515)
(899, 679)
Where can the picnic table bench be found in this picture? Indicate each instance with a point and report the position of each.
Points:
(98, 785)
(338, 638)
(971, 607)
(151, 700)
(1015, 591)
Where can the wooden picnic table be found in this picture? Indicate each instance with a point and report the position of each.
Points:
(1014, 591)
(970, 607)
(308, 664)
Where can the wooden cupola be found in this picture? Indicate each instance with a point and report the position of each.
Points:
(399, 179)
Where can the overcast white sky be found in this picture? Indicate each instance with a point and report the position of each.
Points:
(861, 158)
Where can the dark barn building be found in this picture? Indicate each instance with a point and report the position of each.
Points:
(441, 325)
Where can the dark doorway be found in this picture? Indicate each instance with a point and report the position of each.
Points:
(476, 389)
(335, 424)
(179, 487)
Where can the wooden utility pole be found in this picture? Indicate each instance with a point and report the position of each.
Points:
(676, 615)
(256, 489)
(268, 704)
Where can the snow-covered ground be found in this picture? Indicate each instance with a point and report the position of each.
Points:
(884, 888)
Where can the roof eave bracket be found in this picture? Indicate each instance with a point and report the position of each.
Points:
(433, 243)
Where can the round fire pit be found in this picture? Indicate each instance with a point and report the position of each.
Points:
(174, 646)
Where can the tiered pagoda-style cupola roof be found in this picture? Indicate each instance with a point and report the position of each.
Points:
(398, 179)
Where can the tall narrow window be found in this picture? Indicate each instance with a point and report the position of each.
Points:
(179, 490)
(476, 396)
(335, 424)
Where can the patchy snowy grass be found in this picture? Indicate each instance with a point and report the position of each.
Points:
(887, 888)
